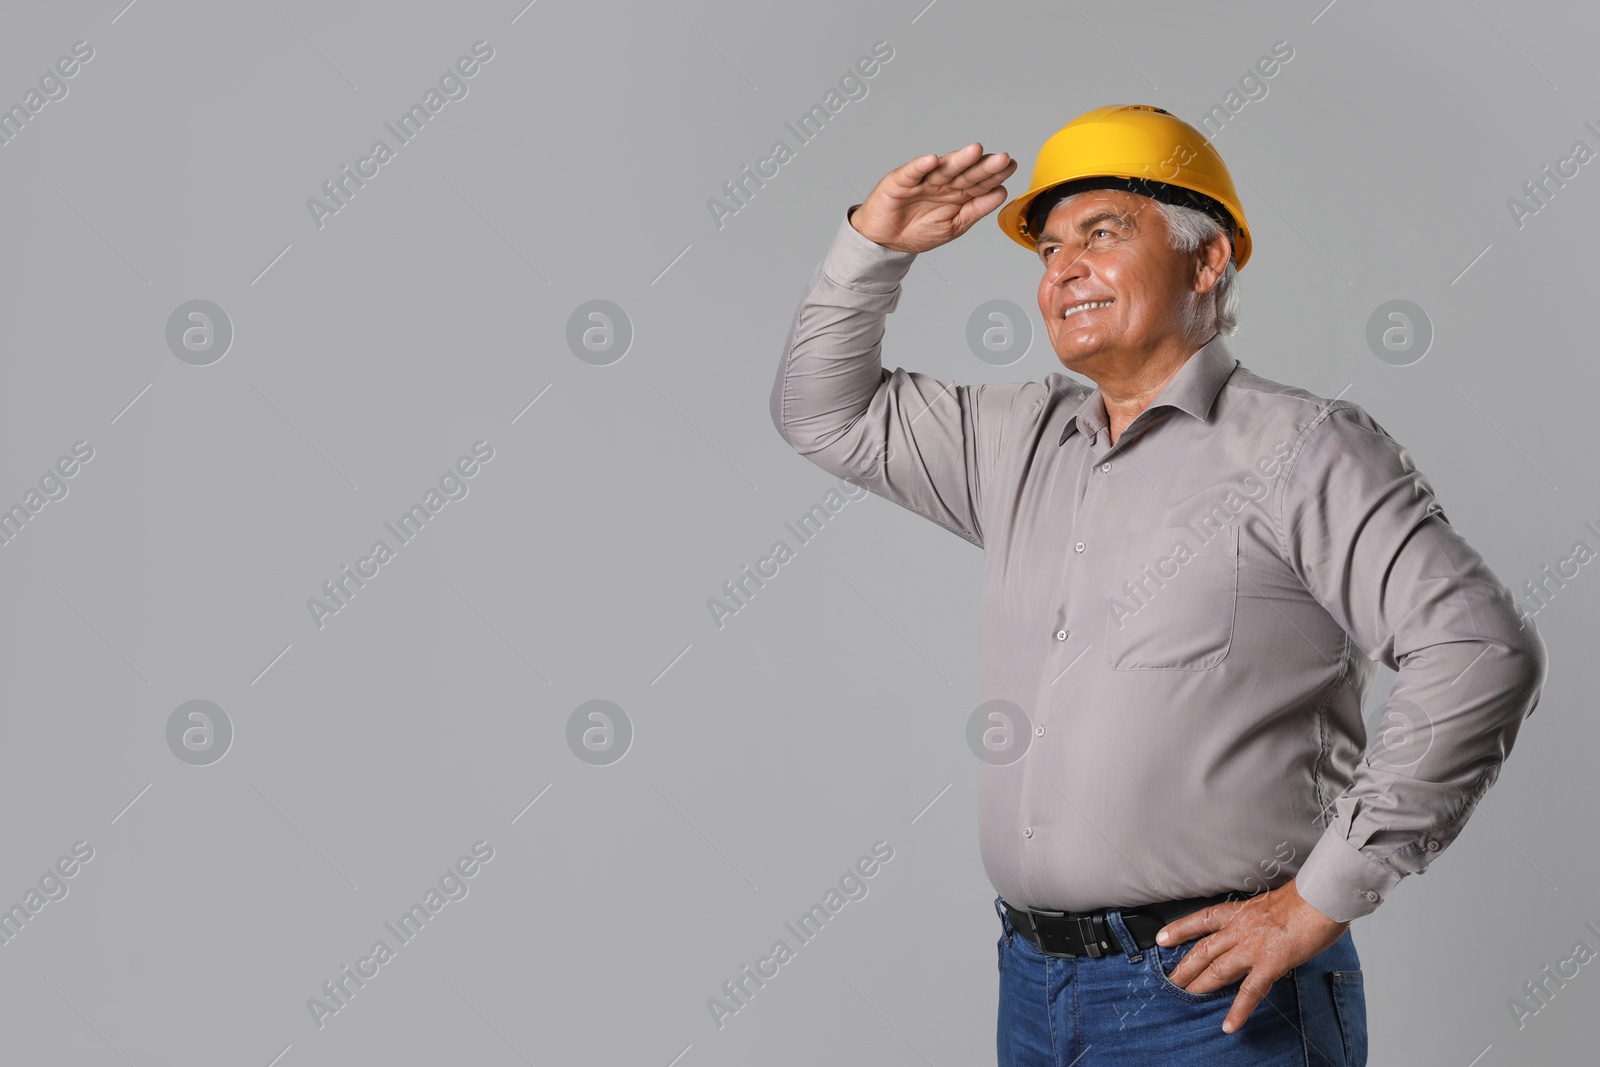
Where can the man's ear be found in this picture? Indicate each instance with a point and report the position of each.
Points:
(1214, 256)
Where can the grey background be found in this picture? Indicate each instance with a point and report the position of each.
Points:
(830, 713)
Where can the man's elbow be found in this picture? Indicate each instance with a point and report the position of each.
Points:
(1533, 659)
(793, 434)
(1527, 661)
(780, 421)
(777, 421)
(816, 437)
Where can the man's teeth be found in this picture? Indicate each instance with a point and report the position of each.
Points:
(1086, 307)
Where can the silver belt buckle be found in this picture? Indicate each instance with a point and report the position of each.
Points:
(1092, 929)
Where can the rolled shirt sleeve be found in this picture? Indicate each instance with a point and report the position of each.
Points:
(1360, 526)
(922, 442)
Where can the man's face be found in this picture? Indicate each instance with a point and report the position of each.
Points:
(1109, 245)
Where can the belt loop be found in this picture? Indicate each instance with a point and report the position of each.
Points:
(1124, 936)
(1005, 923)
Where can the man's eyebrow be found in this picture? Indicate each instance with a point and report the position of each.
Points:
(1120, 218)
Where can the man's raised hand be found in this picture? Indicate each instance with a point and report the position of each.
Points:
(932, 200)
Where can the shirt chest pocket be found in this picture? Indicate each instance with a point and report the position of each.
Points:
(1170, 598)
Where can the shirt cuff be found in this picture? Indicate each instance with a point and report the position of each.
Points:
(1340, 881)
(858, 263)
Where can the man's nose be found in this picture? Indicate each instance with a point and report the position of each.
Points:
(1065, 265)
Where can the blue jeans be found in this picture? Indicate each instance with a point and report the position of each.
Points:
(1120, 1008)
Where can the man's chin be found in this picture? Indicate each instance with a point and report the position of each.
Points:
(1075, 357)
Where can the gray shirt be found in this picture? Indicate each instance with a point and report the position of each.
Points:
(1185, 623)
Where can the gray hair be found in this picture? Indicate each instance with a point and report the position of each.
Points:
(1187, 229)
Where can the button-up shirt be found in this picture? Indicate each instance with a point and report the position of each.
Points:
(1179, 629)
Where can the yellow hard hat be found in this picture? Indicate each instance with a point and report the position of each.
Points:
(1141, 149)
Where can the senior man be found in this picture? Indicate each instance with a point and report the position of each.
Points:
(1190, 573)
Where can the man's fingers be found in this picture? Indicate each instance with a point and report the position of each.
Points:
(1202, 955)
(1251, 993)
(931, 200)
(1229, 963)
(951, 164)
(934, 169)
(906, 179)
(979, 206)
(954, 165)
(985, 175)
(1213, 917)
(985, 170)
(1185, 928)
(915, 170)
(963, 170)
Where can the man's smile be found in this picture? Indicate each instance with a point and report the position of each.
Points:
(1087, 305)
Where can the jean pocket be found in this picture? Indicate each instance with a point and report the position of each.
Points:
(1350, 1004)
(1171, 597)
(1165, 960)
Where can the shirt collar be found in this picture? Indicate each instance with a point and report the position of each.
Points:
(1193, 389)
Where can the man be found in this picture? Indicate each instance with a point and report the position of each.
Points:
(1189, 573)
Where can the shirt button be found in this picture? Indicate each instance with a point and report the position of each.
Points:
(1105, 466)
(1038, 731)
(1078, 546)
(1432, 846)
(1370, 895)
(1027, 831)
(1061, 635)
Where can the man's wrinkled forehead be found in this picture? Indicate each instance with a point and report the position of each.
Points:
(1080, 209)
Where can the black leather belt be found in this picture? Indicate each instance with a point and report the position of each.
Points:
(1086, 933)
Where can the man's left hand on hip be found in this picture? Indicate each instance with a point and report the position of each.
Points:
(1254, 942)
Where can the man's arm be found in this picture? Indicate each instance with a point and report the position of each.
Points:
(927, 444)
(1360, 526)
